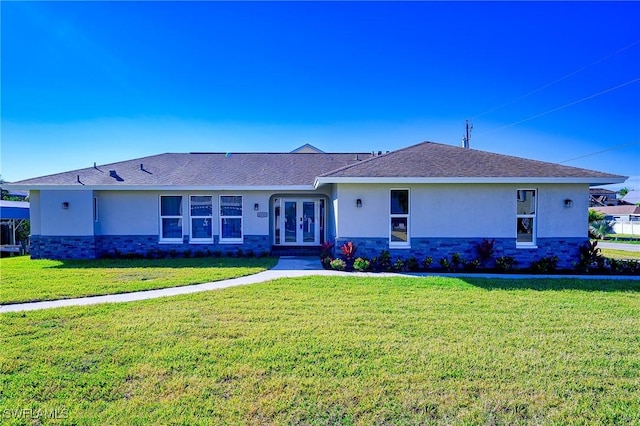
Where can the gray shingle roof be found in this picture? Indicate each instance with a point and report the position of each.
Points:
(204, 169)
(433, 160)
(422, 161)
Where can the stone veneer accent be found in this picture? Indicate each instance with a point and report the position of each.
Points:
(567, 249)
(90, 247)
(65, 247)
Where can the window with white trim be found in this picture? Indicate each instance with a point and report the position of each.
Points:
(231, 219)
(201, 214)
(171, 218)
(399, 218)
(526, 217)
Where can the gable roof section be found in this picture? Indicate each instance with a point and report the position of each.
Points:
(200, 170)
(307, 149)
(430, 162)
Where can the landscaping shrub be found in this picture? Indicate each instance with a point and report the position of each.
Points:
(485, 251)
(505, 263)
(545, 265)
(361, 264)
(399, 265)
(456, 261)
(326, 250)
(427, 262)
(590, 257)
(349, 250)
(445, 264)
(383, 262)
(338, 264)
(623, 266)
(412, 264)
(471, 265)
(326, 262)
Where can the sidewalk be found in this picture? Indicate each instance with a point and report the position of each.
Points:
(287, 267)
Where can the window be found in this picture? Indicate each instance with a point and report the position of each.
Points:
(171, 218)
(399, 218)
(526, 217)
(201, 212)
(230, 218)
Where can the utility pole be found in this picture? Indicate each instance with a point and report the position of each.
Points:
(467, 138)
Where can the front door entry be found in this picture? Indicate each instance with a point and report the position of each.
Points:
(297, 222)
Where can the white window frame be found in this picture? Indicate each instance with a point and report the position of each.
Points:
(534, 220)
(180, 216)
(400, 244)
(192, 239)
(239, 240)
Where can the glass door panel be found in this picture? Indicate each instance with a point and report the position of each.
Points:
(290, 222)
(309, 221)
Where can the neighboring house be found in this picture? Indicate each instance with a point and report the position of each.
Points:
(632, 197)
(625, 212)
(602, 197)
(425, 200)
(625, 218)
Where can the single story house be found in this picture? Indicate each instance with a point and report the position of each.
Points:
(602, 197)
(427, 199)
(626, 212)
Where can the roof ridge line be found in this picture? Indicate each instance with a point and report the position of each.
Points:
(375, 157)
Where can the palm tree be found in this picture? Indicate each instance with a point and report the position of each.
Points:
(624, 191)
(600, 228)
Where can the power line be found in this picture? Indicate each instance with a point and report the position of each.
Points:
(571, 74)
(613, 148)
(586, 98)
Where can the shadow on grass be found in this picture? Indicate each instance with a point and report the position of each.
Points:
(202, 262)
(555, 284)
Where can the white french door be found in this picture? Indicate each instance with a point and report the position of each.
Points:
(297, 222)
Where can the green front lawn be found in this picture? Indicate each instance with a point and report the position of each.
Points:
(26, 280)
(334, 350)
(620, 254)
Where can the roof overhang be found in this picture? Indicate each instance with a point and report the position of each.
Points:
(81, 187)
(470, 180)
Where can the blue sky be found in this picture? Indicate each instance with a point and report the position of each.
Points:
(86, 82)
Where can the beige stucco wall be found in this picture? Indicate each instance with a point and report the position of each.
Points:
(461, 210)
(138, 212)
(54, 220)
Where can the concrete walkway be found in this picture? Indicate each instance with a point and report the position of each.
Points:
(287, 267)
(618, 246)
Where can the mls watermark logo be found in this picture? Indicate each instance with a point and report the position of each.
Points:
(35, 413)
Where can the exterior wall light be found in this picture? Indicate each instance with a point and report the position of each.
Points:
(358, 203)
(568, 203)
(256, 207)
(65, 205)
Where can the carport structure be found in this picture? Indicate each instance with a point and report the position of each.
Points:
(13, 215)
